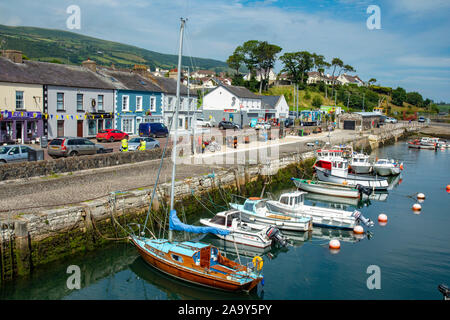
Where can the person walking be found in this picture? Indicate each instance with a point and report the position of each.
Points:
(124, 145)
(142, 145)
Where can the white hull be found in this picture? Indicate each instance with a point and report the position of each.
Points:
(352, 180)
(361, 169)
(332, 190)
(382, 171)
(321, 217)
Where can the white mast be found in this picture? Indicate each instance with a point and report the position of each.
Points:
(175, 137)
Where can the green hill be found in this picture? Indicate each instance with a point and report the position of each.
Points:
(73, 48)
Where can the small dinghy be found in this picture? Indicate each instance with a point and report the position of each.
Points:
(331, 189)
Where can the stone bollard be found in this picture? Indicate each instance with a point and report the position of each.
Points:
(22, 250)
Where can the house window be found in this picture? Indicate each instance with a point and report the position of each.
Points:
(100, 103)
(60, 101)
(92, 127)
(153, 104)
(138, 122)
(170, 103)
(60, 128)
(127, 125)
(79, 102)
(139, 103)
(19, 100)
(125, 103)
(191, 105)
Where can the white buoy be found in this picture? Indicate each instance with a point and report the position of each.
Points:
(358, 230)
(334, 244)
(382, 218)
(421, 196)
(416, 207)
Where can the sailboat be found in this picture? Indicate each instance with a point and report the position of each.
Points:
(193, 261)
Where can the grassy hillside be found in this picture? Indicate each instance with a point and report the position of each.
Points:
(68, 47)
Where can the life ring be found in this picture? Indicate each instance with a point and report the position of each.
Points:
(258, 263)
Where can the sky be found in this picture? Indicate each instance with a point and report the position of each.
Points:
(410, 49)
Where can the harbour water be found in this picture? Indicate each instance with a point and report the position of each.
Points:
(412, 252)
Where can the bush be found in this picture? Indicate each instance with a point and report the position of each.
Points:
(307, 96)
(317, 102)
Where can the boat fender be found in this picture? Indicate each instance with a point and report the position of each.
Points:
(258, 263)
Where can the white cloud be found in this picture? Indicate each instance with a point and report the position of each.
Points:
(421, 61)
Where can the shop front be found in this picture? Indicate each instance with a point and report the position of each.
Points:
(20, 126)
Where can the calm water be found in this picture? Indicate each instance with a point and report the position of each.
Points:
(412, 251)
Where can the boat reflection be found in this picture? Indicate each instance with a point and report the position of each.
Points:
(180, 290)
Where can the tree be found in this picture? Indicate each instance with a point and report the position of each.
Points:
(338, 64)
(414, 98)
(297, 64)
(371, 81)
(266, 56)
(398, 96)
(236, 60)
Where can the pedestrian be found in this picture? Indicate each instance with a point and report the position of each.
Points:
(235, 142)
(124, 145)
(142, 145)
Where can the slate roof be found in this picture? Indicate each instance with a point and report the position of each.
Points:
(269, 102)
(169, 85)
(126, 80)
(241, 92)
(44, 73)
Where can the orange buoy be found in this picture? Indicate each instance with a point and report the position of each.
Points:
(448, 187)
(382, 224)
(401, 166)
(420, 196)
(416, 207)
(334, 244)
(358, 230)
(382, 218)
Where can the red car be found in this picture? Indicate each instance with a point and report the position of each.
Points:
(111, 135)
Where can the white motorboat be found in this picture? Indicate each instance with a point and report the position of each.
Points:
(360, 163)
(292, 204)
(386, 167)
(336, 171)
(243, 233)
(255, 210)
(327, 188)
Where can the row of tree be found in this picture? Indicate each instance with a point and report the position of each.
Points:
(260, 56)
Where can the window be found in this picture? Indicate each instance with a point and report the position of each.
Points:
(92, 127)
(125, 103)
(138, 122)
(60, 101)
(248, 206)
(14, 150)
(127, 125)
(79, 102)
(220, 220)
(177, 258)
(191, 105)
(19, 100)
(153, 104)
(284, 200)
(100, 103)
(139, 103)
(170, 103)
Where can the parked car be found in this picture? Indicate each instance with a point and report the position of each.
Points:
(73, 146)
(288, 122)
(228, 125)
(263, 125)
(150, 143)
(421, 119)
(14, 153)
(390, 120)
(204, 123)
(153, 129)
(111, 135)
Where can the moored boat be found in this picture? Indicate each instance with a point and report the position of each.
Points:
(255, 210)
(360, 164)
(386, 167)
(292, 204)
(327, 188)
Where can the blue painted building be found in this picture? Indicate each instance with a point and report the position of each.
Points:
(137, 100)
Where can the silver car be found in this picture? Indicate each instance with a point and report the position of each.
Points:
(134, 143)
(14, 153)
(72, 146)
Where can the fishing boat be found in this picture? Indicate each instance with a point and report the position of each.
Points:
(360, 164)
(256, 210)
(293, 204)
(424, 143)
(254, 235)
(386, 167)
(337, 172)
(328, 188)
(192, 261)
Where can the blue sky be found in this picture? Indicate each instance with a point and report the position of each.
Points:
(411, 50)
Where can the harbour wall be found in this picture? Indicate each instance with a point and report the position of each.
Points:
(29, 241)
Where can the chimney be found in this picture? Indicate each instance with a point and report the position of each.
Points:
(89, 64)
(13, 55)
(140, 69)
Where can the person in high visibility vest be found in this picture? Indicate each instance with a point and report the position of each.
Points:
(124, 145)
(142, 145)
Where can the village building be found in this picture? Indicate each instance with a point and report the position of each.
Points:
(359, 120)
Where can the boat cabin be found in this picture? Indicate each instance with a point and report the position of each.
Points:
(227, 218)
(293, 199)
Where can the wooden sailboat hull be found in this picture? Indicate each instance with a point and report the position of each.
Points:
(193, 276)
